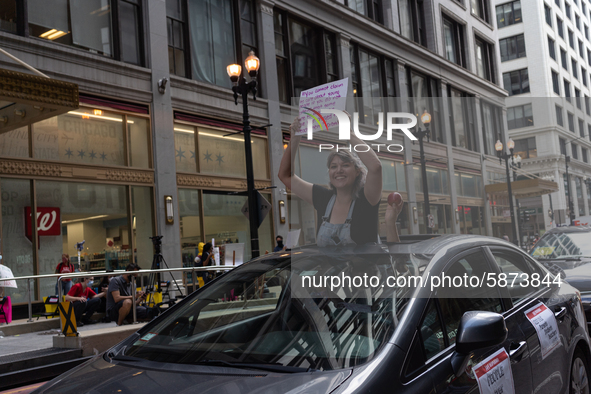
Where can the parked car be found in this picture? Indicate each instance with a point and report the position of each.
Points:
(570, 249)
(388, 335)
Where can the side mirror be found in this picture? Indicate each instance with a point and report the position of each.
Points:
(477, 330)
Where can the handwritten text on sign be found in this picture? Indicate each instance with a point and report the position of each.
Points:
(494, 374)
(544, 322)
(328, 96)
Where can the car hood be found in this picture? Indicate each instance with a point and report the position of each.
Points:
(99, 376)
(580, 277)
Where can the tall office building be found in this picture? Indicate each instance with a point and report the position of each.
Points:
(546, 63)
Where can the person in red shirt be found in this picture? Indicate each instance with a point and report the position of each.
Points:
(85, 301)
(65, 267)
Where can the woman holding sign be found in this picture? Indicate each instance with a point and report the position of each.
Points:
(348, 209)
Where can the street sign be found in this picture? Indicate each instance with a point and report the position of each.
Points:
(531, 211)
(263, 205)
(431, 221)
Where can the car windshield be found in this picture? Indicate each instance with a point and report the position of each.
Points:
(562, 245)
(251, 315)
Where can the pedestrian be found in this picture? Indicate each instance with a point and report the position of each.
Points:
(506, 238)
(120, 297)
(280, 246)
(207, 259)
(85, 301)
(347, 210)
(64, 267)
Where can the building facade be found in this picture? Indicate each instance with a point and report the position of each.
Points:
(548, 42)
(156, 113)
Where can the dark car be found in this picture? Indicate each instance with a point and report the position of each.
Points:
(384, 329)
(570, 249)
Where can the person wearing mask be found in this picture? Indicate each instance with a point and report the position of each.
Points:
(85, 301)
(120, 297)
(280, 245)
(64, 267)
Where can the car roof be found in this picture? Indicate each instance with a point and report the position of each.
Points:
(428, 247)
(569, 229)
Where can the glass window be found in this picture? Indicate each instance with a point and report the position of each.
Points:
(314, 167)
(563, 59)
(484, 59)
(305, 64)
(552, 48)
(512, 47)
(400, 177)
(89, 24)
(8, 21)
(454, 41)
(574, 67)
(559, 116)
(509, 14)
(571, 121)
(514, 266)
(17, 250)
(434, 181)
(190, 224)
(371, 86)
(469, 185)
(82, 136)
(138, 131)
(526, 148)
(559, 27)
(388, 175)
(422, 94)
(175, 20)
(212, 36)
(516, 82)
(142, 219)
(455, 301)
(562, 144)
(480, 8)
(571, 39)
(224, 220)
(332, 59)
(555, 82)
(567, 90)
(412, 20)
(575, 151)
(225, 155)
(184, 146)
(581, 128)
(15, 143)
(432, 332)
(548, 13)
(89, 212)
(491, 126)
(460, 136)
(520, 116)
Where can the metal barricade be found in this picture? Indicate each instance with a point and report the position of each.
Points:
(60, 277)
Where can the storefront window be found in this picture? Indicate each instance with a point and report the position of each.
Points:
(138, 142)
(15, 143)
(441, 217)
(225, 221)
(221, 155)
(81, 136)
(388, 175)
(471, 220)
(142, 218)
(184, 146)
(190, 225)
(400, 177)
(94, 213)
(17, 250)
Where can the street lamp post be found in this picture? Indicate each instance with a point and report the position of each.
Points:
(515, 164)
(571, 213)
(420, 134)
(551, 210)
(242, 87)
(505, 156)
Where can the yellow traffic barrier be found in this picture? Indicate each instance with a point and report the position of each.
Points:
(68, 319)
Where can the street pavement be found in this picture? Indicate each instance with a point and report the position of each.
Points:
(39, 340)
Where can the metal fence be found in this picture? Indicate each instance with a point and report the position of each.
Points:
(60, 277)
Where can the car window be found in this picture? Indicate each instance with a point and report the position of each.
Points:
(515, 274)
(459, 298)
(432, 332)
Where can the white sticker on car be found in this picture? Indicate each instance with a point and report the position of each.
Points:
(543, 320)
(494, 374)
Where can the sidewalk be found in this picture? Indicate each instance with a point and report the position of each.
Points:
(28, 341)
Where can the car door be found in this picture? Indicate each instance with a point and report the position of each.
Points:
(551, 370)
(438, 328)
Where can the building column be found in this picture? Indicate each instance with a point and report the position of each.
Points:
(451, 181)
(163, 136)
(480, 138)
(585, 195)
(269, 81)
(408, 146)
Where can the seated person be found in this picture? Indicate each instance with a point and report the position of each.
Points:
(104, 286)
(85, 301)
(120, 298)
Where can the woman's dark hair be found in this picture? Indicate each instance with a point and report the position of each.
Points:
(207, 247)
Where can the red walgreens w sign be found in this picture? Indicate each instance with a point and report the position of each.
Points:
(48, 222)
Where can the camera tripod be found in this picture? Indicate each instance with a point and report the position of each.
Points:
(157, 262)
